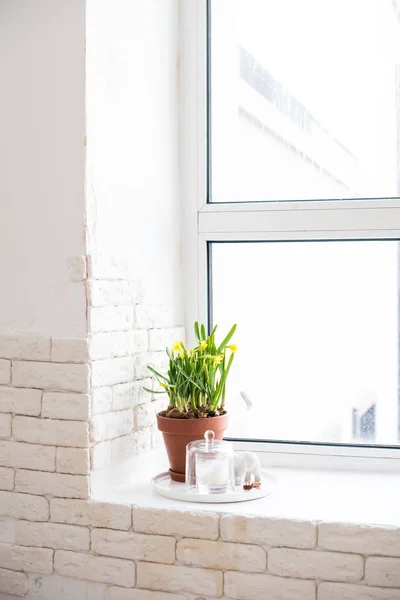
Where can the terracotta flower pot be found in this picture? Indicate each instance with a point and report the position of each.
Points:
(177, 433)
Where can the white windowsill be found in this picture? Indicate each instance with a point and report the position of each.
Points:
(310, 494)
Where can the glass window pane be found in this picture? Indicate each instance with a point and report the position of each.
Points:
(318, 337)
(305, 99)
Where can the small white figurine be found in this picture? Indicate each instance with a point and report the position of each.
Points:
(247, 469)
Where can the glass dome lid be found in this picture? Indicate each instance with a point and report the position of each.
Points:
(209, 465)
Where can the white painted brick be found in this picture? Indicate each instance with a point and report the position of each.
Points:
(159, 339)
(77, 268)
(56, 587)
(135, 546)
(112, 371)
(51, 432)
(312, 564)
(172, 578)
(127, 446)
(107, 267)
(144, 415)
(221, 555)
(268, 531)
(158, 360)
(148, 316)
(130, 394)
(156, 437)
(118, 593)
(70, 350)
(6, 478)
(5, 371)
(383, 572)
(73, 460)
(110, 318)
(7, 530)
(24, 346)
(244, 586)
(51, 376)
(24, 506)
(5, 426)
(364, 539)
(95, 568)
(100, 455)
(101, 400)
(59, 405)
(161, 403)
(138, 341)
(95, 591)
(20, 401)
(139, 291)
(52, 535)
(109, 293)
(15, 584)
(111, 344)
(111, 425)
(52, 484)
(184, 523)
(348, 591)
(22, 558)
(27, 456)
(94, 514)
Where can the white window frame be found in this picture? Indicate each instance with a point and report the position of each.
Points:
(203, 223)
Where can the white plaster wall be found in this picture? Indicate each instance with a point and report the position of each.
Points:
(42, 156)
(133, 130)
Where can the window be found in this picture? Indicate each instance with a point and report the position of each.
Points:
(291, 133)
(303, 99)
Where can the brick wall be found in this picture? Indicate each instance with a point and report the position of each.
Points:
(71, 404)
(125, 335)
(53, 548)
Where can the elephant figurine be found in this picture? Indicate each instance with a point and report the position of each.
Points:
(247, 470)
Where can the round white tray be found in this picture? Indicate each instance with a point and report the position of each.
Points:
(164, 486)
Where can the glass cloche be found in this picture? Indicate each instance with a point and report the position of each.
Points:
(209, 466)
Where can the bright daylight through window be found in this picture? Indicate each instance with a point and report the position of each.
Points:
(302, 222)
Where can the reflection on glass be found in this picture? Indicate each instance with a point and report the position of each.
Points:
(318, 336)
(304, 99)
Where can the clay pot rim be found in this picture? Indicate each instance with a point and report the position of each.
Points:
(188, 426)
(159, 416)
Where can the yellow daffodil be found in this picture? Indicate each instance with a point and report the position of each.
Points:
(203, 345)
(233, 348)
(181, 355)
(191, 351)
(182, 344)
(217, 360)
(176, 347)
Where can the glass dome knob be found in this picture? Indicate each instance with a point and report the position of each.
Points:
(209, 436)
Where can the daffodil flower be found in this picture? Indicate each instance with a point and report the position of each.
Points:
(176, 347)
(195, 381)
(217, 360)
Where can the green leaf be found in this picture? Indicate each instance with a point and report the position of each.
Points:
(196, 330)
(226, 339)
(157, 374)
(203, 333)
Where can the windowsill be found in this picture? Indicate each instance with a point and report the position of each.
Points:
(308, 494)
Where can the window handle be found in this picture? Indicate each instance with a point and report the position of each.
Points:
(246, 400)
